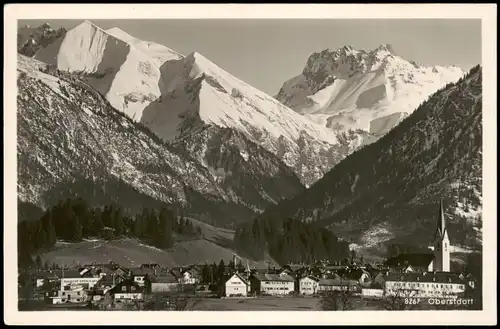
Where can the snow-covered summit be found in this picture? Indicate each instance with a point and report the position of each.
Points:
(347, 88)
(196, 92)
(225, 101)
(124, 69)
(176, 95)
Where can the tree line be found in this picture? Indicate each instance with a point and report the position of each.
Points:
(73, 220)
(290, 241)
(218, 274)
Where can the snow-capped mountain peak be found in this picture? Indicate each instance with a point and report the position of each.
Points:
(176, 96)
(124, 69)
(384, 192)
(120, 34)
(347, 88)
(384, 49)
(69, 138)
(196, 92)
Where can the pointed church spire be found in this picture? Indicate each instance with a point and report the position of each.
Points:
(441, 225)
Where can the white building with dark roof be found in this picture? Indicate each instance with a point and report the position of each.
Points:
(308, 285)
(236, 285)
(272, 284)
(424, 285)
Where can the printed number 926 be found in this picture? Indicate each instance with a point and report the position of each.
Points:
(412, 301)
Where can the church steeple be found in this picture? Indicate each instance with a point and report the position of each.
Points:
(441, 260)
(441, 224)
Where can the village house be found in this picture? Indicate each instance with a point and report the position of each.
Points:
(95, 295)
(378, 281)
(127, 290)
(361, 275)
(139, 274)
(107, 282)
(375, 288)
(189, 276)
(372, 292)
(294, 269)
(162, 282)
(71, 294)
(308, 285)
(176, 272)
(121, 272)
(87, 279)
(338, 284)
(272, 284)
(40, 278)
(424, 285)
(329, 269)
(416, 262)
(469, 278)
(236, 285)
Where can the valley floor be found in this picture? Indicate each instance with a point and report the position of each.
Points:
(258, 304)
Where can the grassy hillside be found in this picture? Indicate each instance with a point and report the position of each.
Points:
(214, 245)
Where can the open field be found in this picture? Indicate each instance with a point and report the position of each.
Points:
(276, 304)
(258, 304)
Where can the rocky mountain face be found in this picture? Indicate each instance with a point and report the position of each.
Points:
(391, 189)
(72, 142)
(31, 39)
(196, 92)
(253, 175)
(174, 95)
(346, 88)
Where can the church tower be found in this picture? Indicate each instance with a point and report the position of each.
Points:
(441, 261)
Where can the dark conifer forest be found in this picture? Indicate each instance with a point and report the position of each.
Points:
(73, 220)
(290, 241)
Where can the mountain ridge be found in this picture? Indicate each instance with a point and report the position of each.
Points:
(167, 83)
(59, 113)
(433, 153)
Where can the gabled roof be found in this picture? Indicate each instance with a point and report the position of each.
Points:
(470, 277)
(175, 272)
(140, 271)
(356, 273)
(163, 278)
(239, 276)
(273, 277)
(311, 277)
(438, 277)
(117, 288)
(192, 271)
(373, 271)
(107, 280)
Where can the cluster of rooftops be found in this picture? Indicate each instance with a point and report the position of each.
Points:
(287, 273)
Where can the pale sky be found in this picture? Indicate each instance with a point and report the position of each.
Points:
(266, 53)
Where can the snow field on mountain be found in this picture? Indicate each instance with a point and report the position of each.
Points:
(254, 106)
(348, 88)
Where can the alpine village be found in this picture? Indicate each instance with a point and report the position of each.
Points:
(247, 206)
